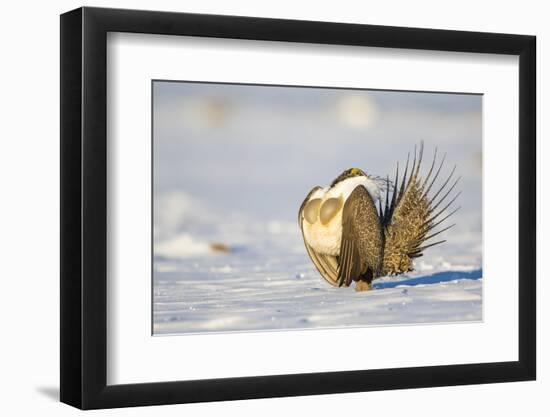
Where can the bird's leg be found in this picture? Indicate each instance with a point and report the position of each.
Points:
(364, 282)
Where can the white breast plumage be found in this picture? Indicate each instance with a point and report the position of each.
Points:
(325, 237)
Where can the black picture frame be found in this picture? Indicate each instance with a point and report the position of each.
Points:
(84, 207)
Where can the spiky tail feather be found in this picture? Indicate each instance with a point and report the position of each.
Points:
(410, 214)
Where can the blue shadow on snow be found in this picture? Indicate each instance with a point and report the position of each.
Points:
(436, 278)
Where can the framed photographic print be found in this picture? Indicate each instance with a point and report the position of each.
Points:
(257, 207)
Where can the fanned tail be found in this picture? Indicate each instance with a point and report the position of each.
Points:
(410, 213)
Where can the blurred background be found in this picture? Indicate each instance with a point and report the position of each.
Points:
(233, 163)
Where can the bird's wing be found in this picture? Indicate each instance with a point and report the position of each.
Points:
(325, 264)
(362, 242)
(411, 214)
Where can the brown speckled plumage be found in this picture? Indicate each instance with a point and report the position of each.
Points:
(409, 216)
(362, 242)
(405, 232)
(382, 242)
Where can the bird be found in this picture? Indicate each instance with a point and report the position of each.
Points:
(350, 238)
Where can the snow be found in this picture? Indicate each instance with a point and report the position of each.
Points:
(267, 282)
(182, 246)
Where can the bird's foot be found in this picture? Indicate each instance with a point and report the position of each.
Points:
(363, 286)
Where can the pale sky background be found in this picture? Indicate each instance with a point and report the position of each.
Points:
(258, 150)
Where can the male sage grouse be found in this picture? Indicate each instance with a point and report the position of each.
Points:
(349, 239)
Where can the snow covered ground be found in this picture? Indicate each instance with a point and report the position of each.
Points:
(267, 282)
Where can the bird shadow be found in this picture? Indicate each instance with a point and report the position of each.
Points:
(436, 278)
